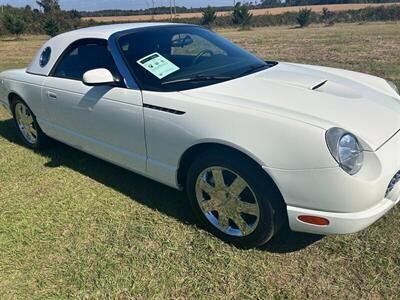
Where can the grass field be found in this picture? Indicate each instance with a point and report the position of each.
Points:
(72, 226)
(255, 12)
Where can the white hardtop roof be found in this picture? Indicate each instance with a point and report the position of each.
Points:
(105, 31)
(60, 42)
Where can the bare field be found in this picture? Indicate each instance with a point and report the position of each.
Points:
(256, 12)
(73, 226)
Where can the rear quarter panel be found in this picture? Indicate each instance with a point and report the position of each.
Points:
(25, 85)
(3, 94)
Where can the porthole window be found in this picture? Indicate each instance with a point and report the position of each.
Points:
(45, 57)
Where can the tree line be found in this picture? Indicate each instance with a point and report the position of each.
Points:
(249, 4)
(278, 3)
(51, 20)
(48, 19)
(242, 17)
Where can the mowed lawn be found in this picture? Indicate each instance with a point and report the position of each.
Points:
(74, 226)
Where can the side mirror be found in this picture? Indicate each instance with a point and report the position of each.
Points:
(98, 77)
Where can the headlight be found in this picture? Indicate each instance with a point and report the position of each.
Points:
(346, 149)
(393, 86)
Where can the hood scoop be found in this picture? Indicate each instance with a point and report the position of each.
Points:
(310, 82)
(337, 89)
(319, 85)
(293, 78)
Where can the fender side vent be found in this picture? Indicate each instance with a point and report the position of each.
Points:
(164, 109)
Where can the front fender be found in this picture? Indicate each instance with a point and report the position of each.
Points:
(271, 140)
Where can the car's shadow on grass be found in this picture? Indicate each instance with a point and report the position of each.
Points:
(145, 191)
(289, 241)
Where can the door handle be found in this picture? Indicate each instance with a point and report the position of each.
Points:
(52, 95)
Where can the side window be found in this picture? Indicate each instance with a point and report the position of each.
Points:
(83, 58)
(192, 45)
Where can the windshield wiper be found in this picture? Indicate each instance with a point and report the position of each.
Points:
(197, 78)
(252, 69)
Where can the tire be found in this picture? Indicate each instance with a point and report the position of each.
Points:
(27, 126)
(264, 216)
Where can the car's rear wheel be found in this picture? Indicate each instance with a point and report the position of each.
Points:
(234, 199)
(28, 128)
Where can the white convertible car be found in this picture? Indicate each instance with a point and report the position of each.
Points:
(254, 143)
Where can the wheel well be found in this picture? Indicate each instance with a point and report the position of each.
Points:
(11, 97)
(190, 155)
(14, 96)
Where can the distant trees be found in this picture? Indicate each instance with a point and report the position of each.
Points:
(304, 17)
(52, 12)
(209, 15)
(275, 3)
(13, 24)
(327, 16)
(50, 27)
(241, 15)
(271, 3)
(49, 6)
(26, 20)
(33, 21)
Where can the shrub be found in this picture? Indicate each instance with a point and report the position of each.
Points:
(327, 16)
(241, 15)
(48, 6)
(325, 13)
(50, 27)
(209, 16)
(13, 24)
(304, 17)
(270, 3)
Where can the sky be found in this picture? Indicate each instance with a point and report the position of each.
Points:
(119, 4)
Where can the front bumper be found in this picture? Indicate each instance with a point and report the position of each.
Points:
(340, 223)
(350, 203)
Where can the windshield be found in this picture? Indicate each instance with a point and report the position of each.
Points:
(174, 58)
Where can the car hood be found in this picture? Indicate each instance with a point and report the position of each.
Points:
(325, 97)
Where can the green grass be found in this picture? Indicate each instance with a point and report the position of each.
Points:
(74, 226)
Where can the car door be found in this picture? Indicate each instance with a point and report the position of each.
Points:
(106, 121)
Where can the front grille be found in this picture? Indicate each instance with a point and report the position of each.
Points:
(393, 182)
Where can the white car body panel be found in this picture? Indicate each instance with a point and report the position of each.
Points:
(278, 117)
(23, 84)
(97, 120)
(212, 122)
(288, 92)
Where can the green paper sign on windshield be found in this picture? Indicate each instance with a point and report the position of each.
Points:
(158, 65)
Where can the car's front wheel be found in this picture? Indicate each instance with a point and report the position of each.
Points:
(27, 126)
(234, 199)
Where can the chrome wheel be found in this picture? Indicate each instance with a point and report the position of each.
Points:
(26, 123)
(227, 201)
